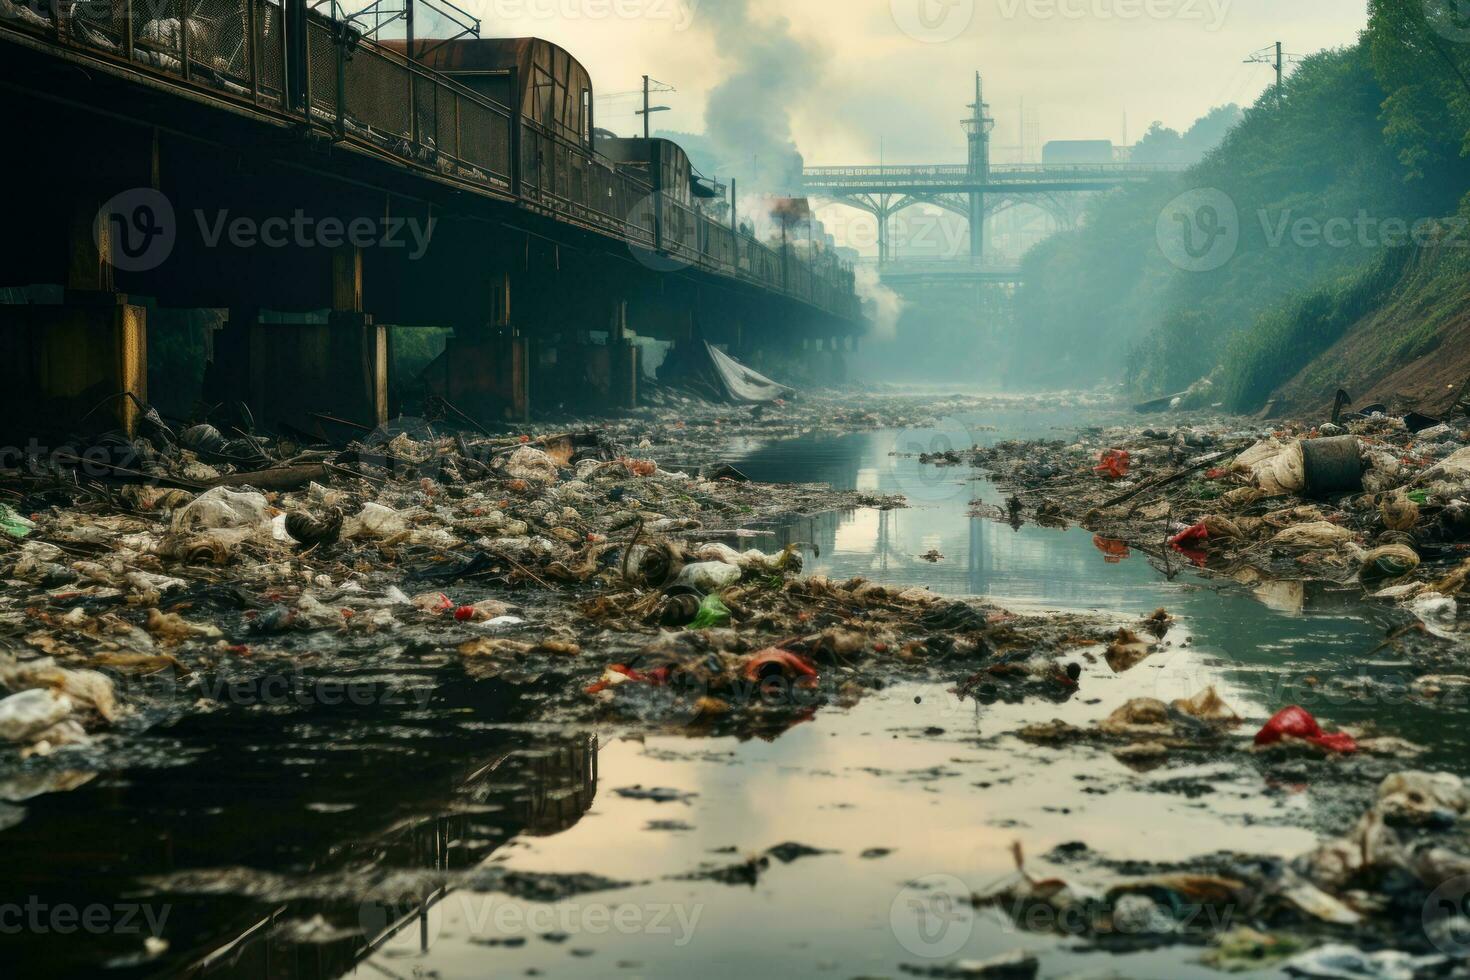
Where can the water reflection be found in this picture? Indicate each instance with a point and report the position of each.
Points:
(291, 844)
(1280, 642)
(271, 843)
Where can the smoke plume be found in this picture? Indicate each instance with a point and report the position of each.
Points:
(748, 114)
(882, 305)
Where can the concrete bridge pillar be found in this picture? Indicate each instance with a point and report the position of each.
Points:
(287, 371)
(485, 370)
(82, 362)
(623, 389)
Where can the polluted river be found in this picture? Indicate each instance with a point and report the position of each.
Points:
(419, 817)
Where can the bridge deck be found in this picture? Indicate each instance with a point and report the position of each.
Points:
(234, 56)
(950, 178)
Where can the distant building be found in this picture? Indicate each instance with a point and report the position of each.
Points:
(1076, 152)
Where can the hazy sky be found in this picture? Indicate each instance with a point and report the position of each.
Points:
(902, 69)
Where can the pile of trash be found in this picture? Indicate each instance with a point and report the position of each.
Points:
(1388, 900)
(182, 563)
(189, 565)
(1369, 503)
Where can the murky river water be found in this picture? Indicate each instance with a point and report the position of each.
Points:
(248, 824)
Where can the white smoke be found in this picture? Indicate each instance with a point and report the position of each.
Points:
(882, 305)
(748, 116)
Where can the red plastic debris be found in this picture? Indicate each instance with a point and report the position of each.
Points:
(1200, 532)
(1192, 535)
(658, 677)
(639, 467)
(464, 613)
(1113, 551)
(1114, 464)
(774, 660)
(1297, 722)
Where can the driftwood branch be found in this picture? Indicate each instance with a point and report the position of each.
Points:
(1174, 477)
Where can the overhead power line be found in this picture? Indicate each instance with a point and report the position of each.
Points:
(1272, 54)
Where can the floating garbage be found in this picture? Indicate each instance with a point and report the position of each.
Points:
(1297, 723)
(708, 576)
(1332, 465)
(712, 612)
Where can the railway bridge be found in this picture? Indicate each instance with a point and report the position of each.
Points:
(977, 189)
(265, 158)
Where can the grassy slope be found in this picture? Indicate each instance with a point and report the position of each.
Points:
(1411, 351)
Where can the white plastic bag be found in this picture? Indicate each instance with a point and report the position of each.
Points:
(31, 712)
(709, 576)
(375, 522)
(223, 507)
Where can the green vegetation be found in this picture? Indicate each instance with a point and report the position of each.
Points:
(414, 348)
(177, 344)
(1338, 185)
(1286, 337)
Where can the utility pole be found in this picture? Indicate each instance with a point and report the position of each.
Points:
(647, 109)
(1274, 56)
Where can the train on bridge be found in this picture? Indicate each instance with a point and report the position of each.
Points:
(259, 108)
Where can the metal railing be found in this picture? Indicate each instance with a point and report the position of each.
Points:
(355, 90)
(943, 176)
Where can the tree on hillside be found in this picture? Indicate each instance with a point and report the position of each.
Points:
(1164, 145)
(1421, 54)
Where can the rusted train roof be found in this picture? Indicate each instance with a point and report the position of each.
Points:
(491, 54)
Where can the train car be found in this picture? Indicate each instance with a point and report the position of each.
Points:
(1075, 152)
(661, 163)
(554, 89)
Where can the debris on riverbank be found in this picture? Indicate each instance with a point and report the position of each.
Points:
(611, 588)
(1374, 504)
(156, 572)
